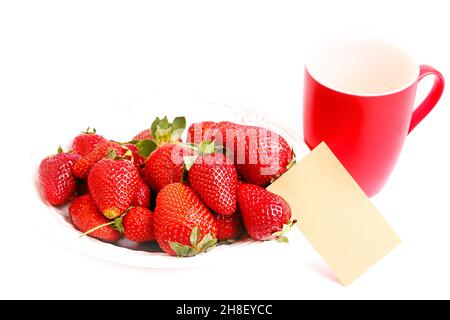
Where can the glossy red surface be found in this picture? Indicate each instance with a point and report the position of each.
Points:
(366, 133)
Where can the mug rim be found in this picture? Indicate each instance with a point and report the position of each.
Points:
(407, 84)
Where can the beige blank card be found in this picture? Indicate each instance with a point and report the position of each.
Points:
(335, 215)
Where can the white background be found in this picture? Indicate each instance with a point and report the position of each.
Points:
(61, 61)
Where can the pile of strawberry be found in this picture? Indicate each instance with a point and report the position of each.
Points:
(188, 197)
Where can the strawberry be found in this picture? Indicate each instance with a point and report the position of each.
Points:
(112, 185)
(86, 217)
(139, 161)
(266, 156)
(142, 195)
(85, 142)
(266, 215)
(165, 166)
(144, 135)
(229, 227)
(197, 131)
(83, 166)
(56, 179)
(183, 224)
(260, 155)
(162, 132)
(214, 178)
(138, 225)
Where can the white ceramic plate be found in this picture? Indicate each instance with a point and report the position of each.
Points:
(54, 222)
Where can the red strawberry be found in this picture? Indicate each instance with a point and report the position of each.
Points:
(85, 217)
(139, 161)
(144, 135)
(266, 215)
(85, 142)
(165, 165)
(83, 166)
(267, 156)
(229, 227)
(214, 178)
(138, 225)
(112, 185)
(183, 224)
(197, 131)
(260, 155)
(56, 178)
(142, 196)
(225, 134)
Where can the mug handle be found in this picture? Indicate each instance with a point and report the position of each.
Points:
(433, 97)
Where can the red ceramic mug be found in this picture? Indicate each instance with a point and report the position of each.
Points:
(359, 99)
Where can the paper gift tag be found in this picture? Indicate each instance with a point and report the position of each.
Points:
(335, 215)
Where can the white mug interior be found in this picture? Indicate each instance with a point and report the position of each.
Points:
(363, 67)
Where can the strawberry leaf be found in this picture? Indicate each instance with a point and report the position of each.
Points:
(206, 147)
(196, 247)
(206, 243)
(128, 153)
(164, 131)
(176, 134)
(60, 149)
(181, 250)
(118, 225)
(154, 126)
(145, 147)
(164, 123)
(179, 123)
(111, 154)
(189, 162)
(194, 236)
(88, 131)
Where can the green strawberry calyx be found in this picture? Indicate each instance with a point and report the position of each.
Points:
(128, 155)
(89, 131)
(197, 246)
(206, 147)
(145, 146)
(280, 235)
(116, 224)
(164, 131)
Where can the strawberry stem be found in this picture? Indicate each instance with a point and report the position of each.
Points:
(97, 228)
(116, 224)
